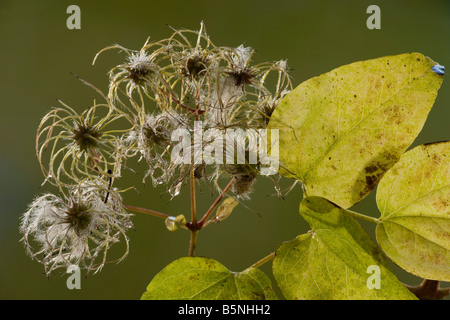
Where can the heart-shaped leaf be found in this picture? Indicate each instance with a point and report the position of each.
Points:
(413, 198)
(199, 278)
(341, 131)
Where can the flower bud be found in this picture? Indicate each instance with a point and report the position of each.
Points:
(172, 223)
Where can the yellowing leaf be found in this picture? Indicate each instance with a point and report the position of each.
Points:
(413, 198)
(336, 260)
(198, 278)
(341, 131)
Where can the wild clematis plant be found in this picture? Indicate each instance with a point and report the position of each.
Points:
(338, 135)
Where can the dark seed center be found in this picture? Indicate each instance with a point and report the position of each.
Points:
(195, 65)
(86, 137)
(78, 216)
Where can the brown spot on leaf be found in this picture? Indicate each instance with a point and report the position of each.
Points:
(371, 169)
(436, 159)
(370, 181)
(194, 277)
(441, 204)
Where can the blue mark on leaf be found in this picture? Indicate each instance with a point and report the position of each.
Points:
(438, 69)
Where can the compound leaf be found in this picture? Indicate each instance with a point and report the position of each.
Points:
(413, 198)
(341, 131)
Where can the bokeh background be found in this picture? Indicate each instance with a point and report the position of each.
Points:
(38, 52)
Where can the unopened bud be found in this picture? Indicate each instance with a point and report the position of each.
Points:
(172, 223)
(225, 209)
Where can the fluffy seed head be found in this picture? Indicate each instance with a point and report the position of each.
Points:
(77, 229)
(139, 67)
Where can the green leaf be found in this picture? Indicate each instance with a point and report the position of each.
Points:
(334, 260)
(413, 198)
(199, 278)
(341, 131)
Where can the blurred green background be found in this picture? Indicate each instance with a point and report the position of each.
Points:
(38, 52)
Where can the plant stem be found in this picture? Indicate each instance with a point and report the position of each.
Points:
(147, 211)
(193, 224)
(193, 204)
(363, 216)
(216, 202)
(195, 111)
(263, 260)
(429, 290)
(193, 242)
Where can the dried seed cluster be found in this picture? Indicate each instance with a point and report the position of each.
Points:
(164, 86)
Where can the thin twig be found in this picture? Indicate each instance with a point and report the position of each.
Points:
(196, 111)
(147, 211)
(215, 203)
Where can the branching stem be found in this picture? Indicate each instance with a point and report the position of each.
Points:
(194, 226)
